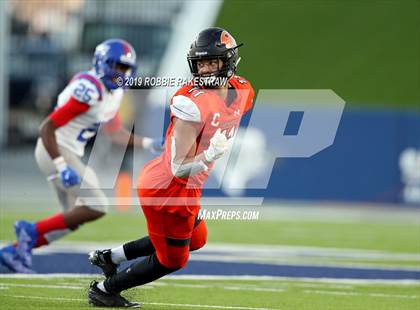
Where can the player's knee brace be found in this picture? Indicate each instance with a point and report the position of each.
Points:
(199, 236)
(176, 253)
(198, 243)
(177, 259)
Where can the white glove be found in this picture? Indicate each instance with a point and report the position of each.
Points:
(218, 146)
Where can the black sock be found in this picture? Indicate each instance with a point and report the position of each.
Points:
(138, 248)
(139, 273)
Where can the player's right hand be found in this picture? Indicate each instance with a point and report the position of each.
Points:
(68, 175)
(154, 146)
(218, 146)
(157, 146)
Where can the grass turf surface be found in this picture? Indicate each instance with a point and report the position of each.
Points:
(66, 293)
(119, 227)
(391, 237)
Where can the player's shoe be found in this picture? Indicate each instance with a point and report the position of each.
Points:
(10, 259)
(102, 259)
(26, 236)
(99, 298)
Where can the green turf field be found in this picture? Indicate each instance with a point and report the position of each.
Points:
(395, 236)
(70, 293)
(386, 235)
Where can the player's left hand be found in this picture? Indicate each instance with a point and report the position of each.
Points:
(155, 146)
(68, 175)
(218, 146)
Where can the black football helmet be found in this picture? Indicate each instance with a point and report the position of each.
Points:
(214, 43)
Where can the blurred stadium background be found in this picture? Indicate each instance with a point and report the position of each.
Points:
(362, 193)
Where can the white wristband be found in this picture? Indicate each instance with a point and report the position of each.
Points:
(60, 163)
(147, 143)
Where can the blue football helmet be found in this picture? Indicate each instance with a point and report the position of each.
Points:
(108, 55)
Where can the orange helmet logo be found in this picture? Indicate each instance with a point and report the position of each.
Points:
(227, 40)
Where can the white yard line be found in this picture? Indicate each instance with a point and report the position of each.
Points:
(61, 286)
(227, 278)
(46, 275)
(206, 306)
(147, 303)
(340, 293)
(224, 287)
(293, 251)
(293, 279)
(249, 287)
(246, 250)
(45, 298)
(299, 261)
(69, 287)
(238, 286)
(4, 286)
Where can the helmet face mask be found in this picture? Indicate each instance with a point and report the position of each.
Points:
(116, 70)
(120, 68)
(214, 43)
(114, 61)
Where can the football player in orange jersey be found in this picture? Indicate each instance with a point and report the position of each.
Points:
(205, 116)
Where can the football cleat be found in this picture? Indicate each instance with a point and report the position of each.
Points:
(102, 259)
(98, 298)
(10, 259)
(26, 236)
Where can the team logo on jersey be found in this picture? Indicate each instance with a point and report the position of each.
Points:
(227, 40)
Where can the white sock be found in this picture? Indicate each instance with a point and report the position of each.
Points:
(102, 287)
(118, 255)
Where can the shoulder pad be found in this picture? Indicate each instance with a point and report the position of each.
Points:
(240, 82)
(185, 108)
(86, 88)
(243, 85)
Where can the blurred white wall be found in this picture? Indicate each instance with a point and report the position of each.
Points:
(194, 17)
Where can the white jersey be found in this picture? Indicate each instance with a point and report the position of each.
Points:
(86, 87)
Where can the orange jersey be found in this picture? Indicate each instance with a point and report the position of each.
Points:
(208, 112)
